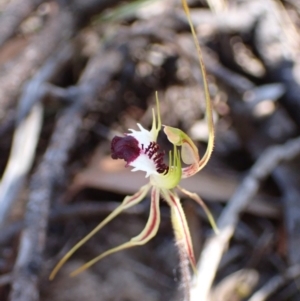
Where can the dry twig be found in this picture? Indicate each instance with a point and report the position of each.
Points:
(51, 170)
(27, 133)
(5, 279)
(275, 283)
(216, 245)
(21, 157)
(29, 259)
(61, 26)
(58, 28)
(13, 15)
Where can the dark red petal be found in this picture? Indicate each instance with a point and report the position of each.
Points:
(126, 148)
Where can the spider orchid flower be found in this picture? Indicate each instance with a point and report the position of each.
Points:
(140, 150)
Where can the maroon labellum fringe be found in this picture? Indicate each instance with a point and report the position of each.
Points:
(158, 157)
(127, 148)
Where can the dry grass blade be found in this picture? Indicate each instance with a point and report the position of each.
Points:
(20, 161)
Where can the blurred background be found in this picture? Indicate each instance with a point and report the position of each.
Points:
(75, 73)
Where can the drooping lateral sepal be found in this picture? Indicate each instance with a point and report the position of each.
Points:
(148, 232)
(198, 200)
(180, 226)
(128, 202)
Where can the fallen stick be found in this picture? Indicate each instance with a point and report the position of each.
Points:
(98, 73)
(217, 244)
(26, 135)
(275, 283)
(13, 15)
(20, 160)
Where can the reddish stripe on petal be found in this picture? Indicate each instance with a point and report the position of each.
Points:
(155, 212)
(134, 197)
(185, 230)
(137, 197)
